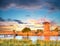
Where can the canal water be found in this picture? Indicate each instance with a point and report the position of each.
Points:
(33, 38)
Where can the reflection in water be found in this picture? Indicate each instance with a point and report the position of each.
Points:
(33, 38)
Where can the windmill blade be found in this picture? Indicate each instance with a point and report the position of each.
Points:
(53, 23)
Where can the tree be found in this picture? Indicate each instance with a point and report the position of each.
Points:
(56, 29)
(26, 30)
(39, 30)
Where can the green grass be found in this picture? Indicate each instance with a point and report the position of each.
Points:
(27, 42)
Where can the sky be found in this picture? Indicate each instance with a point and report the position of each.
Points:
(36, 10)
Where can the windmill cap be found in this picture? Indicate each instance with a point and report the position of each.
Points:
(46, 22)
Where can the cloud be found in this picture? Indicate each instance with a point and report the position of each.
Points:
(38, 21)
(20, 22)
(1, 19)
(31, 4)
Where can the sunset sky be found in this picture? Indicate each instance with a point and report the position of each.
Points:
(24, 10)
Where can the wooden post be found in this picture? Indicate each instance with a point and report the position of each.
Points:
(14, 33)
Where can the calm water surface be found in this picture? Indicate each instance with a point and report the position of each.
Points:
(33, 38)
